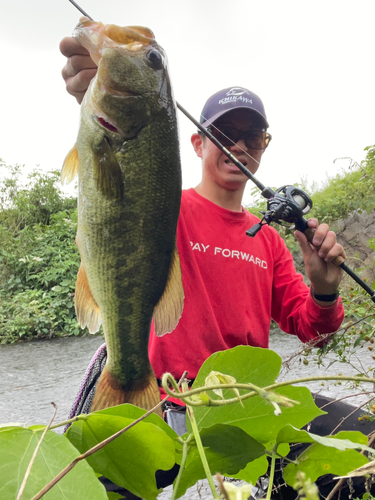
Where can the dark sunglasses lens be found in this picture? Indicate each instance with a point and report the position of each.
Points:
(226, 136)
(254, 139)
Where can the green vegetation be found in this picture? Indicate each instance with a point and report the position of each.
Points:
(338, 195)
(38, 258)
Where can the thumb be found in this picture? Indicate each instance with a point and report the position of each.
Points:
(305, 246)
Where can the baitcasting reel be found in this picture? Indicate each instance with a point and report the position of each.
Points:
(288, 204)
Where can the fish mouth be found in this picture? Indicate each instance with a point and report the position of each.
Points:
(113, 91)
(132, 37)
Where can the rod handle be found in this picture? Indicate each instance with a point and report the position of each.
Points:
(309, 233)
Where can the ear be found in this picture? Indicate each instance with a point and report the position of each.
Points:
(197, 142)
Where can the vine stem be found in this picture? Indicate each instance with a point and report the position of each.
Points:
(176, 484)
(272, 474)
(28, 470)
(91, 451)
(201, 452)
(255, 389)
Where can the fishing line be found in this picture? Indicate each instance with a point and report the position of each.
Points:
(288, 203)
(231, 140)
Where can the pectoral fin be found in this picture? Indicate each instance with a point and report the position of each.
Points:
(87, 309)
(107, 171)
(168, 310)
(70, 167)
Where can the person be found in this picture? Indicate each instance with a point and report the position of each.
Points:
(234, 285)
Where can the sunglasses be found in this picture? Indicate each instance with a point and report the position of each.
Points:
(228, 136)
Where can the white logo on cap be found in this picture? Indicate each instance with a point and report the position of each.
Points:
(236, 94)
(238, 91)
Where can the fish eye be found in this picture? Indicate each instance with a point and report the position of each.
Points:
(155, 59)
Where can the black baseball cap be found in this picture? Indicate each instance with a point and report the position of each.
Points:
(229, 99)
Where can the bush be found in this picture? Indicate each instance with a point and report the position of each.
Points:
(38, 258)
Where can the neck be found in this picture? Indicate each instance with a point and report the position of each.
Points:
(230, 200)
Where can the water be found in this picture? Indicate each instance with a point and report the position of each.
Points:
(36, 373)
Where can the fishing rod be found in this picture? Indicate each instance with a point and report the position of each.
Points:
(288, 203)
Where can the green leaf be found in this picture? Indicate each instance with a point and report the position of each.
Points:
(318, 460)
(114, 496)
(228, 449)
(133, 458)
(133, 412)
(260, 367)
(17, 446)
(253, 470)
(344, 440)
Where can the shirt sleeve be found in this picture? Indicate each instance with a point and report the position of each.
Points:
(293, 307)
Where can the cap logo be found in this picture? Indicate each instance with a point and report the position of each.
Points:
(236, 94)
(237, 91)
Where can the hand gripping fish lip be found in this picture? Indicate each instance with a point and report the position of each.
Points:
(96, 36)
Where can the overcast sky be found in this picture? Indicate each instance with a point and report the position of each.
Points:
(311, 62)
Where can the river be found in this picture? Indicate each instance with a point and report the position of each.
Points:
(37, 373)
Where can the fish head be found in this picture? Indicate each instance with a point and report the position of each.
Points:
(132, 83)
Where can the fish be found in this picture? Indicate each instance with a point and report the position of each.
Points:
(127, 160)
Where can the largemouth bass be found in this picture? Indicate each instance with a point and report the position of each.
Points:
(129, 189)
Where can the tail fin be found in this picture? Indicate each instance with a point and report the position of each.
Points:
(109, 392)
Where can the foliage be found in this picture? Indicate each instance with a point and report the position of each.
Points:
(82, 482)
(235, 438)
(33, 203)
(339, 195)
(347, 192)
(38, 258)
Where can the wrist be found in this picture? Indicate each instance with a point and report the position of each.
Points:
(324, 299)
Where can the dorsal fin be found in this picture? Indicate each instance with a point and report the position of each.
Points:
(87, 310)
(168, 310)
(70, 167)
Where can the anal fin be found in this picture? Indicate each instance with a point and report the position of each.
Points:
(168, 310)
(87, 310)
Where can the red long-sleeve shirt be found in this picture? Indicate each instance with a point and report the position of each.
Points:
(233, 286)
